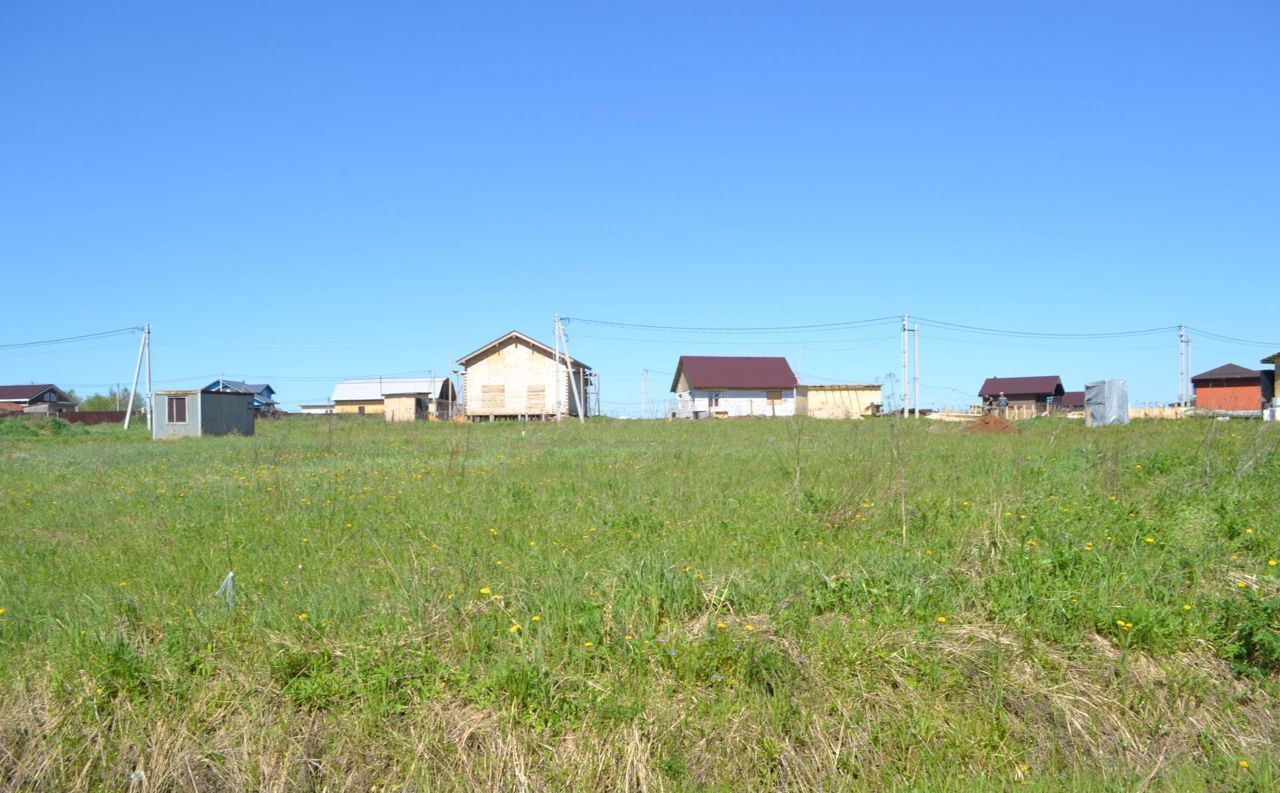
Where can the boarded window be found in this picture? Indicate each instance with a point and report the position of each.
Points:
(493, 397)
(773, 396)
(537, 399)
(177, 410)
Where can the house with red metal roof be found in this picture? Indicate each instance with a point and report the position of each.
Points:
(43, 398)
(722, 386)
(1039, 394)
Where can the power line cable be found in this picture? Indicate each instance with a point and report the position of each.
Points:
(742, 330)
(1042, 334)
(1220, 337)
(71, 339)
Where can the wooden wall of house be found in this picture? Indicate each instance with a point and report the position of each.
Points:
(515, 379)
(349, 407)
(836, 403)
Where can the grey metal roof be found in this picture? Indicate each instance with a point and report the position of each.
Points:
(368, 389)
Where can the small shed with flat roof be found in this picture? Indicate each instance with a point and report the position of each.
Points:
(196, 413)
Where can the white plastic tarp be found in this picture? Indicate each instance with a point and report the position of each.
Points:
(1106, 402)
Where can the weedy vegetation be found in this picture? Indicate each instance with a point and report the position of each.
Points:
(748, 605)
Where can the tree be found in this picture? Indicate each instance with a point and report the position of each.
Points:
(113, 400)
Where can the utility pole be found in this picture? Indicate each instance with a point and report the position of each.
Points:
(905, 391)
(1190, 391)
(1182, 366)
(555, 334)
(150, 393)
(144, 346)
(916, 372)
(562, 343)
(644, 394)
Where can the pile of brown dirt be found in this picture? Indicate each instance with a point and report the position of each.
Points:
(990, 422)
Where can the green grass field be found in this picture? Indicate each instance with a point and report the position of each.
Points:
(761, 604)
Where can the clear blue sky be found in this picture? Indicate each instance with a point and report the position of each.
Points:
(296, 192)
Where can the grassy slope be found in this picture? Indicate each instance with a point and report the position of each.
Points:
(668, 606)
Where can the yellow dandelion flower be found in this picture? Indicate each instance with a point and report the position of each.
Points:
(302, 616)
(1149, 539)
(515, 628)
(1, 612)
(1088, 546)
(536, 618)
(484, 590)
(942, 619)
(1273, 562)
(1241, 584)
(1248, 531)
(748, 627)
(588, 644)
(1186, 606)
(720, 624)
(629, 637)
(1031, 543)
(1244, 763)
(450, 596)
(1023, 767)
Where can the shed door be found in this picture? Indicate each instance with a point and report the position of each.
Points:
(176, 410)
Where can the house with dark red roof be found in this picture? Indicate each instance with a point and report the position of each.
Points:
(36, 398)
(711, 386)
(1040, 394)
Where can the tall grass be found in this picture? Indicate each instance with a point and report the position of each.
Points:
(718, 605)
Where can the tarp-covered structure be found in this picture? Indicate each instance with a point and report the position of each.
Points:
(1106, 402)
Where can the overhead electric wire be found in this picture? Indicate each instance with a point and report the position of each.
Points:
(71, 339)
(741, 330)
(1041, 334)
(1220, 337)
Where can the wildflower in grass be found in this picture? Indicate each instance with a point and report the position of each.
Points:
(536, 618)
(629, 637)
(302, 616)
(1124, 626)
(1186, 606)
(1023, 767)
(964, 503)
(1241, 584)
(1, 612)
(588, 644)
(515, 628)
(1088, 546)
(1031, 543)
(449, 596)
(484, 590)
(748, 627)
(1235, 557)
(1244, 763)
(1148, 539)
(1113, 498)
(1249, 530)
(720, 624)
(942, 619)
(1273, 562)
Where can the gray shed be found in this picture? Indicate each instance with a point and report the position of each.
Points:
(190, 414)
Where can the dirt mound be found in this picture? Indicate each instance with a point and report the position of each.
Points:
(990, 422)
